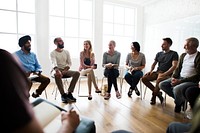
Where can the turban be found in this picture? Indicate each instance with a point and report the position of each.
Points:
(23, 40)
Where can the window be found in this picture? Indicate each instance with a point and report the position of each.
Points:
(119, 25)
(71, 20)
(16, 21)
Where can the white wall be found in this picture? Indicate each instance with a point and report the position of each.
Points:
(42, 31)
(177, 19)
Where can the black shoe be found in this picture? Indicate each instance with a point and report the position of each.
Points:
(160, 97)
(177, 108)
(153, 100)
(90, 97)
(71, 98)
(137, 91)
(64, 98)
(98, 91)
(130, 92)
(35, 95)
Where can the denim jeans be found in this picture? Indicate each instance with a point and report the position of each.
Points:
(177, 127)
(133, 79)
(175, 91)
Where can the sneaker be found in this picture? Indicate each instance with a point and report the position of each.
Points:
(35, 95)
(118, 95)
(71, 98)
(130, 92)
(107, 96)
(137, 91)
(188, 115)
(64, 98)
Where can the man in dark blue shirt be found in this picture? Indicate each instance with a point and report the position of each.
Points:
(31, 65)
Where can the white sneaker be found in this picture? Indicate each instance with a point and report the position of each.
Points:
(189, 114)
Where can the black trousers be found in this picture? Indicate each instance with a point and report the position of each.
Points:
(191, 94)
(111, 75)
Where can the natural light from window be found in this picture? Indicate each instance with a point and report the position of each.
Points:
(16, 20)
(71, 20)
(119, 25)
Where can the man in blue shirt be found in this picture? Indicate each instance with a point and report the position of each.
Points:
(31, 65)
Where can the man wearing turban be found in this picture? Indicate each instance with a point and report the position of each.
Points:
(31, 65)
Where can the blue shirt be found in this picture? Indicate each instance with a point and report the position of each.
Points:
(29, 61)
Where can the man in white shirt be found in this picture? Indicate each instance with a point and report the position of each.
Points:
(61, 62)
(186, 74)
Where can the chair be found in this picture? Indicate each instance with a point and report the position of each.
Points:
(79, 84)
(65, 84)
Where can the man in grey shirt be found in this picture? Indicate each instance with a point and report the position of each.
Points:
(167, 61)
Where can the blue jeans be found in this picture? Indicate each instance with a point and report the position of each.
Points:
(177, 127)
(133, 79)
(175, 91)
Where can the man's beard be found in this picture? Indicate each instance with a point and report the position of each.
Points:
(28, 49)
(60, 46)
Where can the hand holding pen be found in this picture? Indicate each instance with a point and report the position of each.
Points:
(70, 119)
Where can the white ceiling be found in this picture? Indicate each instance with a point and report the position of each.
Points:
(141, 2)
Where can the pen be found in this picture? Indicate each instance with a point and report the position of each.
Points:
(71, 108)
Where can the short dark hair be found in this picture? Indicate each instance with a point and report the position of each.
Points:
(168, 40)
(136, 46)
(55, 40)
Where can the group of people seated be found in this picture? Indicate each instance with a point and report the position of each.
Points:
(61, 63)
(177, 76)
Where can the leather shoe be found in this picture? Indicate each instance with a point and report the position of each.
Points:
(160, 97)
(153, 100)
(137, 91)
(35, 95)
(130, 92)
(177, 108)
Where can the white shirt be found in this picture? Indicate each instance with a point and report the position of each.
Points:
(60, 59)
(188, 68)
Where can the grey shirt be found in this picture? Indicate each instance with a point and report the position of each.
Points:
(114, 59)
(165, 60)
(140, 61)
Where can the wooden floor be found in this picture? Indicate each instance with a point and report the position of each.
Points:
(132, 114)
